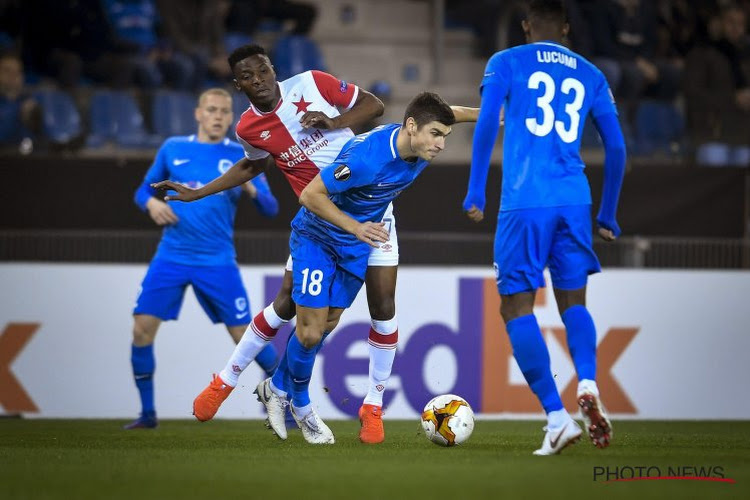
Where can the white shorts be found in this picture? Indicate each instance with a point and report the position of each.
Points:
(385, 255)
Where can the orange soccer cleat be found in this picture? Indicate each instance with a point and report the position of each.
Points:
(207, 403)
(371, 418)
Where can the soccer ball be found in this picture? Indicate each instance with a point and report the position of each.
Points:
(448, 420)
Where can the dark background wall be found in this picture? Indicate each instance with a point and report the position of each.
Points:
(54, 193)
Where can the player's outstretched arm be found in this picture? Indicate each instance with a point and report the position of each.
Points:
(614, 170)
(315, 198)
(238, 174)
(464, 114)
(366, 108)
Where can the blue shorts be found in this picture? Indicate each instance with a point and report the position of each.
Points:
(528, 240)
(326, 275)
(219, 291)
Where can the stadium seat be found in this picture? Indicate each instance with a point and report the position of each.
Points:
(659, 127)
(235, 40)
(173, 113)
(294, 54)
(62, 121)
(115, 117)
(240, 103)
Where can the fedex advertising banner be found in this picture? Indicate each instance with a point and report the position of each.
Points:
(671, 345)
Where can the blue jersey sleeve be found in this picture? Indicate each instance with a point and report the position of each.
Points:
(604, 100)
(614, 169)
(265, 201)
(494, 88)
(350, 170)
(158, 171)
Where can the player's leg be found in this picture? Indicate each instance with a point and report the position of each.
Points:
(221, 293)
(521, 249)
(159, 300)
(380, 283)
(572, 259)
(254, 344)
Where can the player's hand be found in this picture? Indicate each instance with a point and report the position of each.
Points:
(607, 234)
(317, 119)
(160, 212)
(475, 214)
(372, 233)
(184, 193)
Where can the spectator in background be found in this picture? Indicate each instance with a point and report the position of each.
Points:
(717, 92)
(20, 114)
(153, 64)
(195, 28)
(71, 39)
(245, 15)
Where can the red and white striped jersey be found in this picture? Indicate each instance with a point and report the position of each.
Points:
(300, 153)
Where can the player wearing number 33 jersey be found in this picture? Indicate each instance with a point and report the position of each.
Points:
(545, 209)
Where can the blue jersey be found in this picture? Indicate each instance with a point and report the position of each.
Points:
(203, 235)
(363, 180)
(547, 92)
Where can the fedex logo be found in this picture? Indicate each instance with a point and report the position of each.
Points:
(482, 352)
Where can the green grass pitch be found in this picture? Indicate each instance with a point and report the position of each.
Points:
(77, 459)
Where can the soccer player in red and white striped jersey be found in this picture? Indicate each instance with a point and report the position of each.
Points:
(297, 124)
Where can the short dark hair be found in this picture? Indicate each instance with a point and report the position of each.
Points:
(244, 52)
(429, 107)
(550, 11)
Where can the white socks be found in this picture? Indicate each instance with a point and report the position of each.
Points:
(259, 333)
(383, 340)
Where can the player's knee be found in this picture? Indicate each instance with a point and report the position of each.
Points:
(383, 308)
(284, 306)
(309, 337)
(143, 334)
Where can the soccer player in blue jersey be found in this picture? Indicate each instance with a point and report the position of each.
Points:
(197, 246)
(547, 91)
(334, 231)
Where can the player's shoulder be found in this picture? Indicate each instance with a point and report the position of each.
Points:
(374, 146)
(177, 142)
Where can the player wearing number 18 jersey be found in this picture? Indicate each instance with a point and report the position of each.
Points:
(547, 91)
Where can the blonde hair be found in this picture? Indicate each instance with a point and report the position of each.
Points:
(213, 91)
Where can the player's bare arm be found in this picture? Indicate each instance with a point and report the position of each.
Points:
(464, 114)
(240, 173)
(160, 212)
(315, 198)
(366, 108)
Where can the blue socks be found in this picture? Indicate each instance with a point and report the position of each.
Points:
(581, 340)
(300, 362)
(144, 364)
(305, 359)
(532, 357)
(268, 359)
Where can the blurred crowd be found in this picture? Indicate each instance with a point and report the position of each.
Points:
(680, 69)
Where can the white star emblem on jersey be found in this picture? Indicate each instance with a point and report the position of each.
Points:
(177, 163)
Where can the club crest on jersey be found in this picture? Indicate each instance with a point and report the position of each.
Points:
(225, 165)
(240, 303)
(343, 87)
(342, 173)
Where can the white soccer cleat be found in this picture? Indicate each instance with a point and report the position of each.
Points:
(275, 408)
(558, 439)
(314, 430)
(595, 417)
